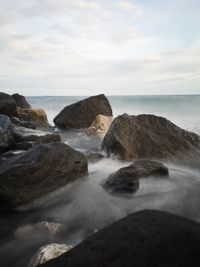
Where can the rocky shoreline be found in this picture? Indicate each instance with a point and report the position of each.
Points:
(34, 162)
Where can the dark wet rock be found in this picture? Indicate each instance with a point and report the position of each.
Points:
(143, 239)
(20, 122)
(126, 180)
(21, 101)
(39, 231)
(24, 145)
(37, 172)
(33, 115)
(6, 134)
(40, 137)
(149, 136)
(48, 138)
(7, 105)
(81, 114)
(48, 252)
(94, 157)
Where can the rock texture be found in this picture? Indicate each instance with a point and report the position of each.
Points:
(83, 113)
(126, 180)
(23, 134)
(149, 136)
(21, 101)
(20, 122)
(144, 239)
(6, 134)
(37, 116)
(7, 105)
(37, 172)
(48, 252)
(94, 157)
(100, 125)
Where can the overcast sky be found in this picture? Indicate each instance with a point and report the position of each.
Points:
(83, 47)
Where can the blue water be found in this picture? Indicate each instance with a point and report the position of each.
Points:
(183, 110)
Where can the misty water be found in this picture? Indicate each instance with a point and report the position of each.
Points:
(83, 207)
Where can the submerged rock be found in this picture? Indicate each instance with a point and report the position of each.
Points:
(81, 114)
(37, 116)
(100, 125)
(143, 239)
(48, 252)
(23, 134)
(152, 137)
(7, 105)
(39, 171)
(21, 101)
(7, 140)
(39, 231)
(126, 180)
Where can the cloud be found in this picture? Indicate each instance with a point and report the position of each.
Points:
(128, 6)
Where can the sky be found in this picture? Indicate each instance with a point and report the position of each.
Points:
(116, 47)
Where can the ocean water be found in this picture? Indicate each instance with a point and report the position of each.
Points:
(183, 110)
(83, 207)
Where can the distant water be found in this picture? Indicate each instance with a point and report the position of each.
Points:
(183, 110)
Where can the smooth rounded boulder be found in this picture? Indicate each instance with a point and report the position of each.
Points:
(7, 140)
(143, 239)
(7, 105)
(21, 101)
(126, 180)
(152, 137)
(82, 113)
(42, 169)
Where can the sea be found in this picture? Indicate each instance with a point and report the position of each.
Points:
(83, 207)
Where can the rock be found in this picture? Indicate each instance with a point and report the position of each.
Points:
(7, 105)
(39, 231)
(143, 239)
(19, 122)
(48, 252)
(94, 157)
(37, 172)
(6, 134)
(21, 101)
(40, 137)
(83, 113)
(37, 116)
(126, 180)
(152, 137)
(24, 145)
(100, 125)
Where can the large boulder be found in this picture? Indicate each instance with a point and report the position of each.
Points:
(100, 125)
(149, 136)
(7, 140)
(23, 134)
(83, 113)
(21, 101)
(143, 239)
(44, 168)
(48, 252)
(37, 116)
(126, 180)
(7, 105)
